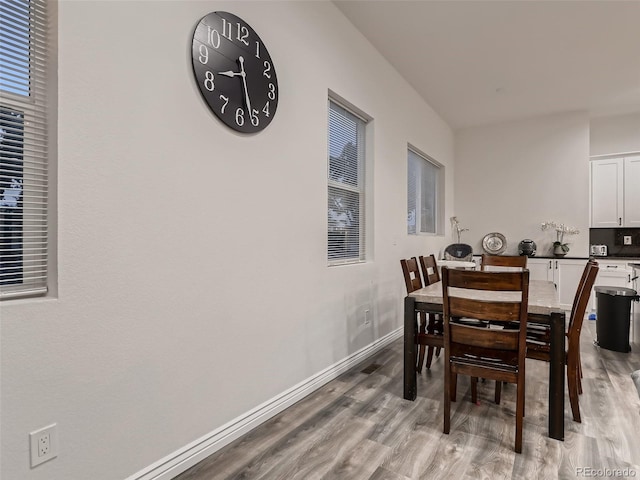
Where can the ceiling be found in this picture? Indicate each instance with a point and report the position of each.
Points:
(479, 62)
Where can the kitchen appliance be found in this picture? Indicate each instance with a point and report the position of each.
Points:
(527, 247)
(599, 250)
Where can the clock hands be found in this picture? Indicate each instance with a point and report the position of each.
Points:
(244, 84)
(242, 74)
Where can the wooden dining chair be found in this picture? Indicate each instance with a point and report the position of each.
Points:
(429, 334)
(431, 275)
(503, 262)
(429, 268)
(591, 264)
(493, 353)
(538, 338)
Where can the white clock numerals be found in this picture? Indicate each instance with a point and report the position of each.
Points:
(213, 37)
(243, 33)
(208, 81)
(204, 54)
(226, 29)
(255, 120)
(239, 117)
(235, 73)
(226, 101)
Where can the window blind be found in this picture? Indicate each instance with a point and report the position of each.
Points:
(422, 194)
(23, 148)
(346, 186)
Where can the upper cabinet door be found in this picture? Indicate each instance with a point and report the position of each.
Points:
(607, 192)
(632, 191)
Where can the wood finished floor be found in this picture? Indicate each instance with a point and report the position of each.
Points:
(359, 427)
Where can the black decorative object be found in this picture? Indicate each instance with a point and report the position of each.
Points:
(234, 72)
(527, 247)
(458, 251)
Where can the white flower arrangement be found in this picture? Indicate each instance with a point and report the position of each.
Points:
(561, 230)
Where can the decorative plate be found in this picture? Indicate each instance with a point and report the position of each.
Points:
(494, 243)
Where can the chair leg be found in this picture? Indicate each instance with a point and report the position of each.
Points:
(519, 414)
(579, 374)
(429, 357)
(438, 329)
(421, 359)
(422, 329)
(580, 383)
(572, 386)
(474, 389)
(498, 392)
(447, 397)
(453, 386)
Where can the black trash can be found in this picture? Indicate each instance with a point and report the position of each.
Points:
(614, 314)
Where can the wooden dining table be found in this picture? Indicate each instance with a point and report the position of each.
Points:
(543, 308)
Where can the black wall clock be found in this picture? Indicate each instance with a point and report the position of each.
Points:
(234, 72)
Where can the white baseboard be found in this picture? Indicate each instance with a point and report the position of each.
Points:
(183, 459)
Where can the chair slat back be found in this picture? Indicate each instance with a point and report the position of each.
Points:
(479, 280)
(429, 269)
(502, 262)
(484, 310)
(585, 273)
(468, 294)
(411, 273)
(580, 303)
(493, 353)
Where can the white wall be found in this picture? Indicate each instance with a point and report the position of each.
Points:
(615, 134)
(511, 177)
(192, 280)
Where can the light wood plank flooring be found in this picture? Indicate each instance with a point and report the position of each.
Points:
(359, 427)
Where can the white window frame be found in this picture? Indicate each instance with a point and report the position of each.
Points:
(417, 198)
(25, 91)
(338, 222)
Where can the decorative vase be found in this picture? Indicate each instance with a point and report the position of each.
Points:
(558, 251)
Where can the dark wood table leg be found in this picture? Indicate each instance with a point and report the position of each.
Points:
(410, 375)
(556, 377)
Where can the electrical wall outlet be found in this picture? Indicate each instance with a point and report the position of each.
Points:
(367, 320)
(44, 444)
(627, 240)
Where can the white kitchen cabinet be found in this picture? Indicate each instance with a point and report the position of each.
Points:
(540, 268)
(607, 189)
(615, 192)
(632, 191)
(565, 273)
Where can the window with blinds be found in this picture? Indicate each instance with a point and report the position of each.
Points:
(23, 148)
(346, 186)
(422, 194)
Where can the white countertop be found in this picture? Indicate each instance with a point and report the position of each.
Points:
(455, 264)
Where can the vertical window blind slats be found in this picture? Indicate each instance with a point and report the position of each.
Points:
(23, 148)
(422, 194)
